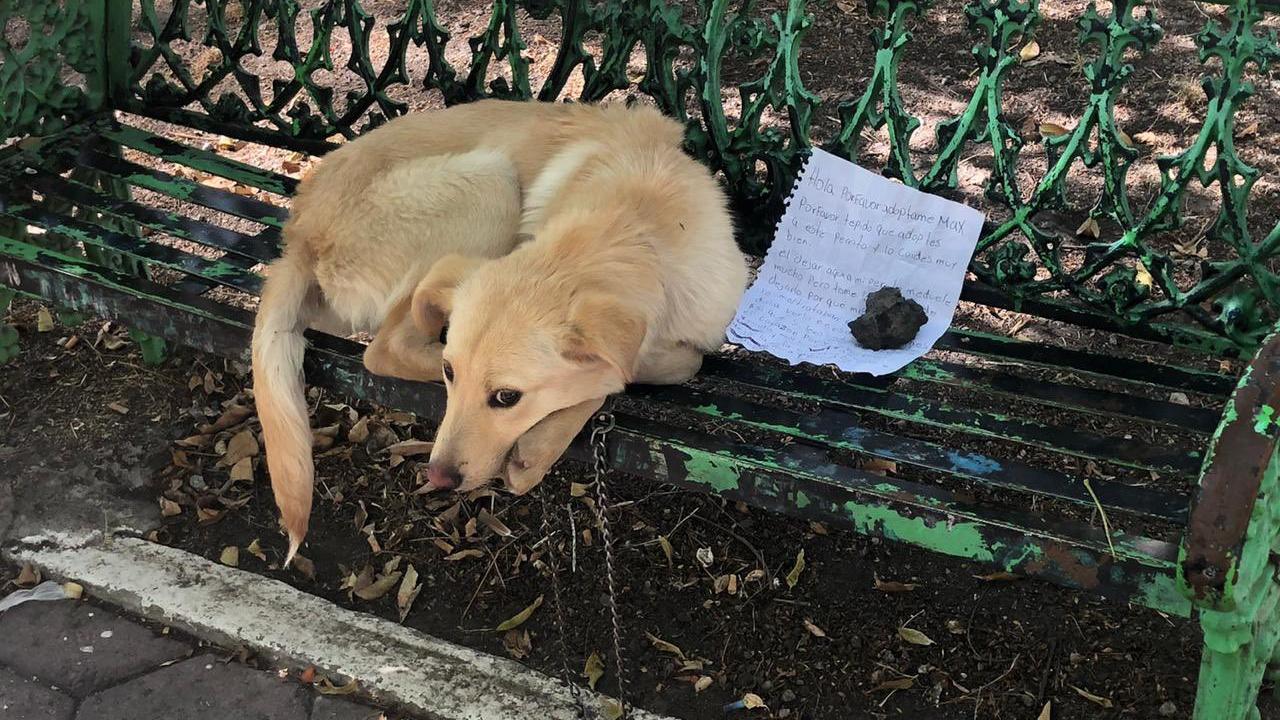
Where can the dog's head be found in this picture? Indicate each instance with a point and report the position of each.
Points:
(523, 342)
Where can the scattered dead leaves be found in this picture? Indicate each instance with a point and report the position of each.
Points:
(519, 618)
(1096, 699)
(793, 577)
(913, 636)
(594, 669)
(892, 586)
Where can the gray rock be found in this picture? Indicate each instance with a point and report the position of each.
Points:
(1168, 709)
(24, 699)
(79, 647)
(890, 320)
(202, 688)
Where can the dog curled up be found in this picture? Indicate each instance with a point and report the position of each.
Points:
(571, 249)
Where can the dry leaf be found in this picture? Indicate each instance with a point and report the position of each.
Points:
(409, 589)
(1143, 275)
(610, 709)
(703, 683)
(209, 515)
(255, 549)
(1089, 228)
(305, 566)
(664, 646)
(289, 166)
(29, 576)
(1047, 712)
(705, 556)
(1147, 138)
(897, 684)
(915, 637)
(169, 508)
(577, 489)
(465, 554)
(814, 630)
(818, 528)
(242, 471)
(880, 466)
(755, 575)
(218, 182)
(492, 522)
(846, 8)
(1048, 129)
(955, 627)
(1000, 576)
(793, 577)
(359, 432)
(665, 544)
(230, 556)
(517, 643)
(44, 320)
(1124, 138)
(113, 342)
(410, 448)
(1030, 51)
(519, 618)
(227, 144)
(891, 586)
(118, 407)
(379, 587)
(242, 445)
(328, 688)
(1104, 702)
(594, 669)
(73, 590)
(751, 701)
(1248, 130)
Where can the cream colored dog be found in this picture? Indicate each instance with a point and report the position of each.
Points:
(571, 249)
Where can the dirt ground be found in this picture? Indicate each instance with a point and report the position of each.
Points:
(831, 646)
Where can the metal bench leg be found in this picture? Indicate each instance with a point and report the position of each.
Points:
(1239, 645)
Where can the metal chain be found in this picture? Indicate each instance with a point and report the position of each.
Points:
(565, 673)
(601, 426)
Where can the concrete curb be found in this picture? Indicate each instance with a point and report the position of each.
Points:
(396, 665)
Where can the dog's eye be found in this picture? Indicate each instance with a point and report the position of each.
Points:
(504, 398)
(448, 371)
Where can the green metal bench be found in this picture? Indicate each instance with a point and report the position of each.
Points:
(1070, 464)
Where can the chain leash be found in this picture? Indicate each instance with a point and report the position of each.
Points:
(601, 426)
(575, 691)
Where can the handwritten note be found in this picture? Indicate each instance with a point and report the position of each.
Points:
(848, 232)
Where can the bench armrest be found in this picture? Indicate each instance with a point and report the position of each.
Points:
(1235, 510)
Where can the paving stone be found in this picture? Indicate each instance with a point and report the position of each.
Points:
(24, 699)
(79, 647)
(202, 688)
(331, 708)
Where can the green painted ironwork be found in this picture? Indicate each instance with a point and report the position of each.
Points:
(43, 47)
(1128, 278)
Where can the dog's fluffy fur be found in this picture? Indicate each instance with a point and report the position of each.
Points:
(571, 249)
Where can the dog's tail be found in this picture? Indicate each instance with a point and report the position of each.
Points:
(278, 348)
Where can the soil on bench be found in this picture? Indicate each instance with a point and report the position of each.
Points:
(832, 646)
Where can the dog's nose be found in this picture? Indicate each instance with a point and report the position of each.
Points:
(443, 477)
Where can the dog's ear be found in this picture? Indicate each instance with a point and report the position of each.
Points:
(603, 330)
(433, 298)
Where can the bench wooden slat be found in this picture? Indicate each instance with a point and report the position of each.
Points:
(202, 160)
(198, 231)
(839, 430)
(1069, 397)
(1167, 376)
(849, 395)
(220, 271)
(241, 206)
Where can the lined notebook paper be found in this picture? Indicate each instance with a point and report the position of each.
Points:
(846, 233)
